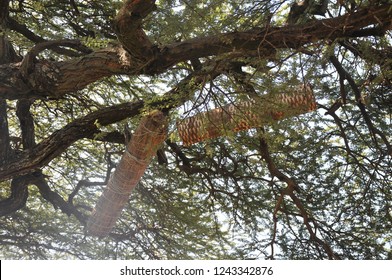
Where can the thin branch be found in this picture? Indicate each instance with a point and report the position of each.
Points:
(290, 190)
(56, 200)
(371, 54)
(372, 129)
(22, 29)
(275, 219)
(84, 183)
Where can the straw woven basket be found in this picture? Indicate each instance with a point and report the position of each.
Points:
(245, 115)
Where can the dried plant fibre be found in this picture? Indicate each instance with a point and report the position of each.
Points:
(149, 135)
(245, 115)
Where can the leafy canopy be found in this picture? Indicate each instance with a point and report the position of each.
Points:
(314, 186)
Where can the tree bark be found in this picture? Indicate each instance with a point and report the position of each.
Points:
(5, 149)
(18, 197)
(55, 79)
(86, 127)
(59, 141)
(128, 26)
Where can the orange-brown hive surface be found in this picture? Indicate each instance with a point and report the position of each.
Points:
(245, 115)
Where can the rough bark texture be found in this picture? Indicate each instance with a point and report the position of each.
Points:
(128, 26)
(245, 115)
(18, 197)
(58, 142)
(5, 148)
(55, 79)
(149, 135)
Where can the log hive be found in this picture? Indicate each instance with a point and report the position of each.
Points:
(245, 115)
(149, 135)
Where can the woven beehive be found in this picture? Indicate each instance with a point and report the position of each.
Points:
(149, 135)
(245, 115)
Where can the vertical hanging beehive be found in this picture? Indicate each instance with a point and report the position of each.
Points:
(145, 141)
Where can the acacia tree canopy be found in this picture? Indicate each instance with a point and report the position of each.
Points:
(77, 76)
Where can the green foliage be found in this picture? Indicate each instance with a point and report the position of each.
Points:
(221, 201)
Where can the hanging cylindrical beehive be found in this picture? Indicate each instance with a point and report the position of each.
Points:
(149, 135)
(245, 115)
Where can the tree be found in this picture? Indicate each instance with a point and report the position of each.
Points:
(76, 77)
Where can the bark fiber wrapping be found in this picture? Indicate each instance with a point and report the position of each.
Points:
(149, 135)
(245, 115)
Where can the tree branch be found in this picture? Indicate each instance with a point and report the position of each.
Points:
(4, 9)
(263, 43)
(5, 149)
(128, 27)
(7, 52)
(56, 79)
(22, 29)
(27, 65)
(59, 141)
(357, 93)
(18, 197)
(26, 123)
(86, 127)
(373, 55)
(56, 200)
(292, 186)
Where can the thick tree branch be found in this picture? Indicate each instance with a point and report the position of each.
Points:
(86, 127)
(26, 123)
(12, 85)
(56, 79)
(111, 137)
(263, 43)
(5, 149)
(27, 65)
(7, 55)
(18, 197)
(4, 7)
(7, 52)
(128, 27)
(59, 141)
